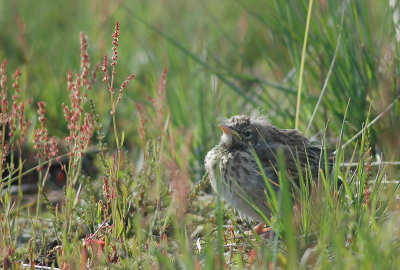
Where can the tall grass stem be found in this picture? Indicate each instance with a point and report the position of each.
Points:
(303, 56)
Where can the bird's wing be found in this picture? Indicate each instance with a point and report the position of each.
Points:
(298, 160)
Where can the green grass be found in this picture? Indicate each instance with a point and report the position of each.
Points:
(221, 59)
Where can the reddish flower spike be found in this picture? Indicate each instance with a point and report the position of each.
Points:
(125, 83)
(115, 44)
(104, 67)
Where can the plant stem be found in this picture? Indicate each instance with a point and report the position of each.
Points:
(303, 56)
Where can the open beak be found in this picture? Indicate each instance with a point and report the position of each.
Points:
(228, 131)
(225, 129)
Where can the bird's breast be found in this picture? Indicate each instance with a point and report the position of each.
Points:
(211, 163)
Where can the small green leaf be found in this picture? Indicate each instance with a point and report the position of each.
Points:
(122, 138)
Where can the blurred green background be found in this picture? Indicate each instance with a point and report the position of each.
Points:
(222, 58)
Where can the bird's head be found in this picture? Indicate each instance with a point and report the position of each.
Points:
(241, 130)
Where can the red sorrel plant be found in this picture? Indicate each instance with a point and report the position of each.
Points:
(46, 149)
(13, 127)
(149, 186)
(81, 128)
(113, 162)
(165, 191)
(113, 209)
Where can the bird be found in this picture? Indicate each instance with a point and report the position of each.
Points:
(233, 169)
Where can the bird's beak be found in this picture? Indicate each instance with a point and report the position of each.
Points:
(228, 131)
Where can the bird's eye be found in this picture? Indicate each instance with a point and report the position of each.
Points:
(247, 134)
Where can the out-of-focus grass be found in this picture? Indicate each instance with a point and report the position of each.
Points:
(221, 59)
(215, 55)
